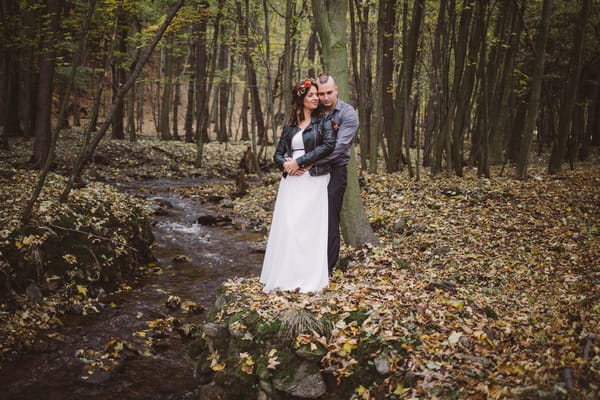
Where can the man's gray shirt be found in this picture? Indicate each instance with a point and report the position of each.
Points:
(345, 117)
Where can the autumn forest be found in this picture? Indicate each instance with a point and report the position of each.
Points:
(136, 145)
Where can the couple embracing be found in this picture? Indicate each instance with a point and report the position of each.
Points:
(313, 151)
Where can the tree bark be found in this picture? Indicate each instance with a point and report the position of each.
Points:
(404, 87)
(223, 90)
(330, 20)
(536, 85)
(88, 151)
(201, 94)
(570, 93)
(43, 135)
(27, 211)
(386, 21)
(189, 111)
(119, 76)
(167, 94)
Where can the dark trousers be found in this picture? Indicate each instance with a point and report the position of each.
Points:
(335, 192)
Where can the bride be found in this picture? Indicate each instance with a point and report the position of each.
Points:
(296, 255)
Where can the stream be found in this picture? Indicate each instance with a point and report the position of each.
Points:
(55, 368)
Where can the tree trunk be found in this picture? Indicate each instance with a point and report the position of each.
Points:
(251, 74)
(42, 138)
(223, 90)
(119, 77)
(201, 81)
(88, 151)
(27, 211)
(439, 101)
(568, 98)
(288, 51)
(167, 94)
(330, 19)
(189, 111)
(362, 79)
(386, 21)
(244, 114)
(536, 85)
(403, 89)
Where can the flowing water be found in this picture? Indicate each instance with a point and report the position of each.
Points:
(55, 369)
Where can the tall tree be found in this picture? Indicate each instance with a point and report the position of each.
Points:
(167, 95)
(386, 22)
(535, 90)
(42, 138)
(570, 92)
(330, 20)
(88, 151)
(404, 86)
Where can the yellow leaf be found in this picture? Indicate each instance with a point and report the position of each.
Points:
(399, 388)
(217, 366)
(82, 289)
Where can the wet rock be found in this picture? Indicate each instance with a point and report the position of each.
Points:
(214, 330)
(307, 382)
(173, 302)
(213, 220)
(162, 206)
(258, 247)
(181, 258)
(382, 364)
(215, 198)
(227, 203)
(97, 376)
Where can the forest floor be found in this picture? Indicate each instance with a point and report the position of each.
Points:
(497, 278)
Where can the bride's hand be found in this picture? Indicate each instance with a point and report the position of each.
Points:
(290, 166)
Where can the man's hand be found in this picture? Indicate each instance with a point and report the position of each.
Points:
(291, 167)
(301, 171)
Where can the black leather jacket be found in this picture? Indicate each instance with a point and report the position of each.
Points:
(319, 141)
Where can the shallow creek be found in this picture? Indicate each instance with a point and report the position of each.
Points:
(55, 368)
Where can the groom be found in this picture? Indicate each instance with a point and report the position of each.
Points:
(346, 119)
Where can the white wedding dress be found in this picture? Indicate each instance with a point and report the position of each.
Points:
(296, 255)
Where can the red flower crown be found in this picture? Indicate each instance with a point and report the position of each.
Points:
(302, 88)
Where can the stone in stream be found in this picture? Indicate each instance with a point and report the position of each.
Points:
(211, 220)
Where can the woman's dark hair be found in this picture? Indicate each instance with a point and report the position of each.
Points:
(298, 94)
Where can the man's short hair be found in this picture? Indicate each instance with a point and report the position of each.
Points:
(323, 78)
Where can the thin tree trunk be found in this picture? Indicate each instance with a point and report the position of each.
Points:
(223, 90)
(536, 85)
(27, 211)
(167, 94)
(88, 151)
(570, 93)
(189, 111)
(119, 77)
(43, 134)
(288, 51)
(386, 22)
(244, 114)
(201, 82)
